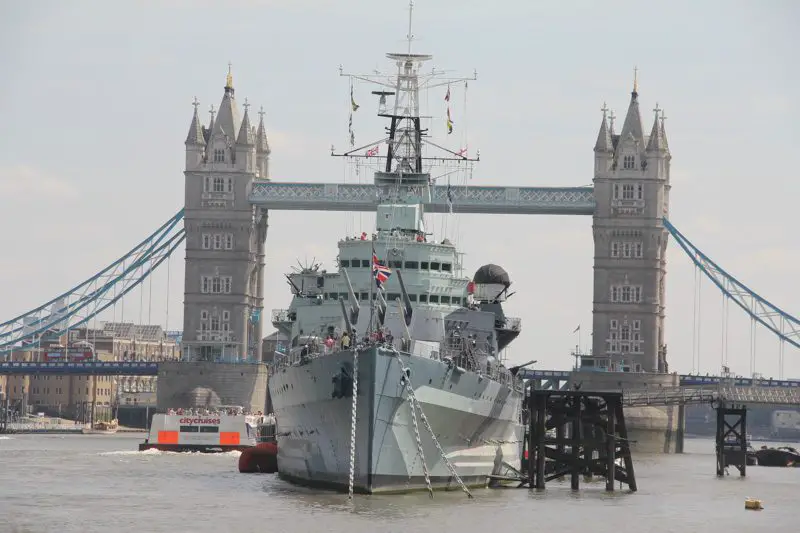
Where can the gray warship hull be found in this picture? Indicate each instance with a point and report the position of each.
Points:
(475, 419)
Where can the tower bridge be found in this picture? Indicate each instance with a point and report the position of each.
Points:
(229, 194)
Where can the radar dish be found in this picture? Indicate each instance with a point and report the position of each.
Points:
(492, 274)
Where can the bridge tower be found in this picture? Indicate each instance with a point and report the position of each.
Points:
(631, 184)
(225, 234)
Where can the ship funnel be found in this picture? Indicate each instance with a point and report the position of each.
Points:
(354, 307)
(406, 300)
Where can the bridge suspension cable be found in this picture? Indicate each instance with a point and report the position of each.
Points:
(778, 321)
(84, 301)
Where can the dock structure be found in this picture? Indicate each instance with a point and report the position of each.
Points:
(577, 433)
(731, 438)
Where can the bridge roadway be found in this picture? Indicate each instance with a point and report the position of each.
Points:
(285, 196)
(698, 395)
(149, 368)
(686, 380)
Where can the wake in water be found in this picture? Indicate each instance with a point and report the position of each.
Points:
(153, 451)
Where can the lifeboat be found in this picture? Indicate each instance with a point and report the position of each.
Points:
(263, 457)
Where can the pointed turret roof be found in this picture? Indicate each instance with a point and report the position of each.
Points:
(656, 142)
(603, 143)
(246, 137)
(632, 127)
(195, 135)
(262, 146)
(664, 132)
(227, 122)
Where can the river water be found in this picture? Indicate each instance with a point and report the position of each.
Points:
(98, 483)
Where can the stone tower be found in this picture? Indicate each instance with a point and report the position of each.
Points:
(631, 187)
(225, 235)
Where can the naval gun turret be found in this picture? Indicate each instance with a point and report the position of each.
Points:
(489, 288)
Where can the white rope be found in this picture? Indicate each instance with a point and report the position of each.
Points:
(353, 425)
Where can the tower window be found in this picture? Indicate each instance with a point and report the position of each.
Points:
(628, 162)
(219, 155)
(627, 192)
(230, 184)
(614, 249)
(219, 185)
(206, 241)
(216, 284)
(229, 241)
(625, 293)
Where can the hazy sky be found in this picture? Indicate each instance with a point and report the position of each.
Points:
(96, 102)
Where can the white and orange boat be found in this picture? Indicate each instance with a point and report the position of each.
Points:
(202, 430)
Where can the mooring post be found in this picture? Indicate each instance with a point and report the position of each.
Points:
(720, 440)
(611, 448)
(743, 441)
(680, 434)
(532, 449)
(625, 444)
(541, 438)
(577, 405)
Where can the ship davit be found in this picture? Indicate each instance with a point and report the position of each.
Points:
(261, 458)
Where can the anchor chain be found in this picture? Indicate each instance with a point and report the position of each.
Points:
(419, 446)
(353, 426)
(413, 398)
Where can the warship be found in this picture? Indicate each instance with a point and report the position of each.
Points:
(392, 378)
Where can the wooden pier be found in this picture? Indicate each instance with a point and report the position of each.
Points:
(731, 438)
(590, 438)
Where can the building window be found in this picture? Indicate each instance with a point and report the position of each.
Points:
(229, 241)
(217, 241)
(216, 284)
(637, 325)
(226, 316)
(626, 293)
(614, 324)
(637, 250)
(614, 249)
(626, 250)
(639, 191)
(230, 184)
(206, 241)
(628, 162)
(219, 185)
(219, 155)
(207, 184)
(203, 315)
(627, 191)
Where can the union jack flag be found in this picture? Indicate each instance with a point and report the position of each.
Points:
(380, 271)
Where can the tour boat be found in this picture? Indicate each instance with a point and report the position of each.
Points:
(184, 430)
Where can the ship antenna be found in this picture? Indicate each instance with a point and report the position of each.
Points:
(410, 36)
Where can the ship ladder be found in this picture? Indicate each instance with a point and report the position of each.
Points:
(353, 426)
(419, 445)
(412, 398)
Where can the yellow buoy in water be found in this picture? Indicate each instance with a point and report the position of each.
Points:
(753, 505)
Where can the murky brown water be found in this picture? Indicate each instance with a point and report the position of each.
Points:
(96, 483)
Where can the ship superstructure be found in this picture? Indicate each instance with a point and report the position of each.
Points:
(400, 324)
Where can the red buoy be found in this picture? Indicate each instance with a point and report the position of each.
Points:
(261, 458)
